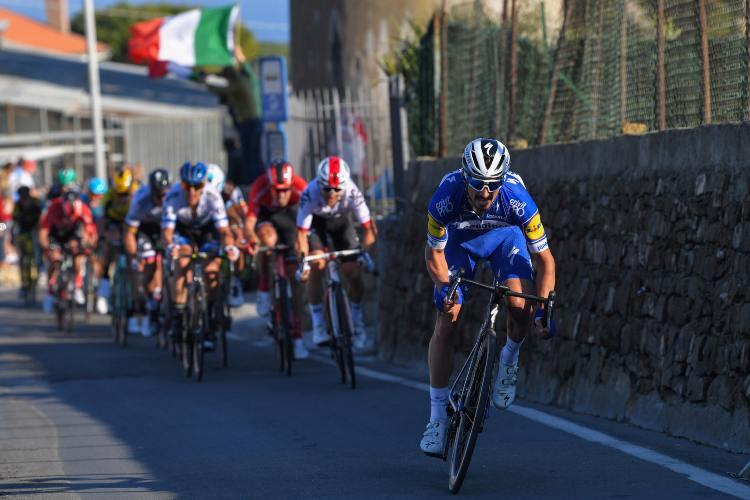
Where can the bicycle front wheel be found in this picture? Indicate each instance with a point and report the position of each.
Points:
(473, 403)
(345, 340)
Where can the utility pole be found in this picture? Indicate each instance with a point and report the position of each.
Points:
(94, 92)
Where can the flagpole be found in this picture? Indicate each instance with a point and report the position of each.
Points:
(94, 92)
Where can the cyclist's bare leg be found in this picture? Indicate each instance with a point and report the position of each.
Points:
(353, 277)
(152, 276)
(442, 345)
(520, 311)
(211, 273)
(181, 275)
(315, 283)
(53, 267)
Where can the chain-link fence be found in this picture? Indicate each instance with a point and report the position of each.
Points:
(612, 67)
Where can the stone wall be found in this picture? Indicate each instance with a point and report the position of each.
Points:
(651, 235)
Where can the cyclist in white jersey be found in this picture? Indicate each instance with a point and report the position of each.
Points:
(194, 217)
(141, 238)
(324, 220)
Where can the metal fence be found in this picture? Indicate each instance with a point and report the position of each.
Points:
(615, 66)
(168, 143)
(353, 125)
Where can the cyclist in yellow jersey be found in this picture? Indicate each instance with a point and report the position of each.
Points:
(116, 205)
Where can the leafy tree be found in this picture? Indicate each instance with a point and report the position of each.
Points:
(113, 24)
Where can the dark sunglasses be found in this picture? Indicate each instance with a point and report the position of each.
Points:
(479, 184)
(197, 187)
(332, 189)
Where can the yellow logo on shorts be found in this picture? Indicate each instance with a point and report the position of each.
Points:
(534, 229)
(434, 229)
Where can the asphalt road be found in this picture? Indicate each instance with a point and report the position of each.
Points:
(83, 418)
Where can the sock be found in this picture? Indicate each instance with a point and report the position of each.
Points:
(316, 311)
(511, 351)
(157, 294)
(79, 281)
(438, 404)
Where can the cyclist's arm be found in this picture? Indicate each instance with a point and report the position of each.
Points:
(44, 238)
(226, 236)
(437, 266)
(368, 236)
(250, 222)
(302, 246)
(544, 263)
(167, 236)
(129, 240)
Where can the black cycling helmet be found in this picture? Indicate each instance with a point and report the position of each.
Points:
(159, 180)
(23, 192)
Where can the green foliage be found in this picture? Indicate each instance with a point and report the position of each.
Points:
(113, 26)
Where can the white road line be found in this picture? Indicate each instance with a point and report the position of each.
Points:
(708, 479)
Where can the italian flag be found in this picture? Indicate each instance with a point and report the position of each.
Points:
(198, 37)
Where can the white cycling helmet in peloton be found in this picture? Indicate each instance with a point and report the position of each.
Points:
(485, 163)
(215, 176)
(333, 174)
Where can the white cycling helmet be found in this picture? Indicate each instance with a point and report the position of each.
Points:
(215, 176)
(486, 159)
(333, 173)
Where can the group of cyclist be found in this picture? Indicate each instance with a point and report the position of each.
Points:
(203, 212)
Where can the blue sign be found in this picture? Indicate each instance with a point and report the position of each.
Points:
(274, 145)
(273, 84)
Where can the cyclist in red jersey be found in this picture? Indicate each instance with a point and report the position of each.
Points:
(67, 223)
(271, 220)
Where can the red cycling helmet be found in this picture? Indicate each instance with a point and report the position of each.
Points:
(280, 174)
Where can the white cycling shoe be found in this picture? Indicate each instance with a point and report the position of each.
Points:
(433, 438)
(146, 329)
(360, 341)
(134, 326)
(102, 305)
(505, 386)
(300, 351)
(263, 304)
(79, 297)
(320, 335)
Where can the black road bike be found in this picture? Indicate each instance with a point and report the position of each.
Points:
(469, 394)
(200, 320)
(280, 324)
(338, 315)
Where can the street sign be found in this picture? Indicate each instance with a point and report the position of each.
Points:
(273, 84)
(274, 145)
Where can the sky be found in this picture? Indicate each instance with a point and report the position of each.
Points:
(267, 19)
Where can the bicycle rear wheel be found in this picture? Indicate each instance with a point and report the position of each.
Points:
(472, 402)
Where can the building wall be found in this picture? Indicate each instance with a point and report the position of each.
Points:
(652, 244)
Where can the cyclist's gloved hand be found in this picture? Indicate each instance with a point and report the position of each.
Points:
(539, 323)
(233, 253)
(302, 272)
(441, 295)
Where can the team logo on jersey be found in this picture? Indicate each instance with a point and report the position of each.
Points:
(534, 229)
(518, 207)
(434, 229)
(444, 206)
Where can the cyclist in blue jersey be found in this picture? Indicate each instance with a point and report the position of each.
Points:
(483, 211)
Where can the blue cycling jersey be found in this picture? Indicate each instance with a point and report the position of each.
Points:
(451, 215)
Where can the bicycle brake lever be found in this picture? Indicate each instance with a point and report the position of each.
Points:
(455, 284)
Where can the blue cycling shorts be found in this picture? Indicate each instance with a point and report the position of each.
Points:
(504, 248)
